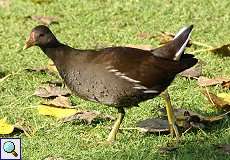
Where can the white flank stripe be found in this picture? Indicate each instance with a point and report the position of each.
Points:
(151, 91)
(129, 79)
(136, 85)
(113, 70)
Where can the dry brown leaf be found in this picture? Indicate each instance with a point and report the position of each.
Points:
(54, 82)
(49, 91)
(189, 119)
(226, 84)
(204, 81)
(144, 47)
(25, 127)
(164, 37)
(193, 72)
(224, 50)
(224, 148)
(6, 128)
(50, 68)
(59, 102)
(88, 117)
(37, 69)
(216, 101)
(46, 20)
(153, 125)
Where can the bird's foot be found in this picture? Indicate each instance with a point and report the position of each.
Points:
(174, 131)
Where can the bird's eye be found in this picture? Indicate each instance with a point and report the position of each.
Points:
(41, 35)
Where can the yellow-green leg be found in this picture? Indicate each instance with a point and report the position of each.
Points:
(170, 114)
(116, 126)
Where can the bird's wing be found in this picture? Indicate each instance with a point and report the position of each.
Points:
(139, 66)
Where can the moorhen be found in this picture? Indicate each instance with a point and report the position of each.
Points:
(117, 76)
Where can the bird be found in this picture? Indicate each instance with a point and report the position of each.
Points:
(119, 77)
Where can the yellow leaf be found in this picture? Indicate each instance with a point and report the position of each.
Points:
(55, 112)
(51, 67)
(225, 97)
(5, 128)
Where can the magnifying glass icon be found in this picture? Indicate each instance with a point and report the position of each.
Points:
(9, 147)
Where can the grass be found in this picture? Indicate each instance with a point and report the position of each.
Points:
(87, 24)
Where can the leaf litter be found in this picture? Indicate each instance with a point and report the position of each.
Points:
(46, 20)
(7, 128)
(51, 91)
(185, 119)
(204, 81)
(220, 101)
(88, 117)
(62, 109)
(49, 68)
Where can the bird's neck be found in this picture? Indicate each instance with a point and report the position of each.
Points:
(53, 50)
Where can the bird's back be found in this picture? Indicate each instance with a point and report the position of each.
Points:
(119, 76)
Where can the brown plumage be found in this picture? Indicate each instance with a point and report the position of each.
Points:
(115, 76)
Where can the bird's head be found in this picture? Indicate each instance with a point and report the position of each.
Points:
(40, 36)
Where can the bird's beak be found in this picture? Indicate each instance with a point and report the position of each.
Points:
(30, 41)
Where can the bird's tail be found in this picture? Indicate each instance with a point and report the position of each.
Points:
(174, 49)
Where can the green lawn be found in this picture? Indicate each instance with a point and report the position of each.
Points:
(88, 24)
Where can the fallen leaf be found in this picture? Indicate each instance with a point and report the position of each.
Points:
(5, 128)
(225, 97)
(56, 111)
(153, 125)
(50, 68)
(224, 50)
(25, 127)
(49, 90)
(5, 3)
(204, 81)
(87, 116)
(37, 69)
(189, 119)
(216, 101)
(54, 82)
(195, 71)
(144, 47)
(226, 84)
(164, 37)
(59, 102)
(46, 20)
(224, 148)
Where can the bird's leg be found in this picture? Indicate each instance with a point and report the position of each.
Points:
(170, 114)
(116, 126)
